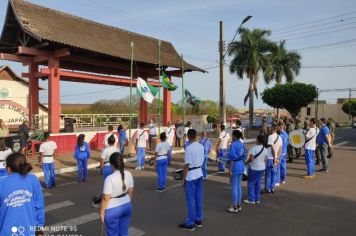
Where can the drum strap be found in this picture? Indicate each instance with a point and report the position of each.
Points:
(141, 134)
(121, 195)
(308, 140)
(194, 168)
(259, 153)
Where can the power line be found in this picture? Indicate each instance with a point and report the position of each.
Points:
(328, 44)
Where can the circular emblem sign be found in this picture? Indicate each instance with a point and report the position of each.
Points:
(4, 93)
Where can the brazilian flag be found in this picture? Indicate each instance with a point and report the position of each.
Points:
(166, 83)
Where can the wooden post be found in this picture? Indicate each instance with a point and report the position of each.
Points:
(33, 94)
(167, 113)
(54, 95)
(143, 111)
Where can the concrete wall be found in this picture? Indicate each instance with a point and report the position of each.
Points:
(326, 110)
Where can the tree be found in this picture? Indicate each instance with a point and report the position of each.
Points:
(283, 63)
(291, 97)
(346, 107)
(250, 58)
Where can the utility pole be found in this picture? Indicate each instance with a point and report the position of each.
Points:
(222, 106)
(317, 104)
(350, 115)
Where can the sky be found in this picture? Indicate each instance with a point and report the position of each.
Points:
(193, 28)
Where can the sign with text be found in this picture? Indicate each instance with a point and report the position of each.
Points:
(13, 113)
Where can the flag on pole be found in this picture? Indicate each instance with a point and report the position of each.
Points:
(192, 100)
(166, 82)
(145, 90)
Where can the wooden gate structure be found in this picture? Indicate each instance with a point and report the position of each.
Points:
(58, 46)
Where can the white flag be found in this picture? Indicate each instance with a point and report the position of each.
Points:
(145, 90)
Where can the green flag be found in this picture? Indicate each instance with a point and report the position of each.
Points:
(166, 82)
(145, 90)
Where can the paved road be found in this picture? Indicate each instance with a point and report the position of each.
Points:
(323, 206)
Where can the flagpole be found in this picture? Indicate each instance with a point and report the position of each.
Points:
(183, 105)
(131, 78)
(159, 88)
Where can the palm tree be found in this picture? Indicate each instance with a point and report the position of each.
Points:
(283, 63)
(250, 56)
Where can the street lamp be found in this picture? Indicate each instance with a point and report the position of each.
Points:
(222, 106)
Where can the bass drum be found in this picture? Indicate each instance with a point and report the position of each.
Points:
(297, 138)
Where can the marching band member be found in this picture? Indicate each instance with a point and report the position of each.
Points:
(106, 137)
(257, 159)
(81, 155)
(161, 161)
(221, 147)
(21, 199)
(185, 137)
(105, 167)
(274, 151)
(122, 138)
(116, 208)
(310, 146)
(141, 140)
(48, 150)
(237, 156)
(282, 164)
(152, 131)
(193, 182)
(170, 137)
(4, 153)
(207, 146)
(324, 142)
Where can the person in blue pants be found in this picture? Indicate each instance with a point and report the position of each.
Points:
(161, 162)
(122, 138)
(207, 145)
(116, 207)
(193, 182)
(48, 150)
(141, 142)
(282, 164)
(21, 199)
(221, 148)
(4, 153)
(105, 167)
(310, 146)
(237, 156)
(257, 164)
(82, 155)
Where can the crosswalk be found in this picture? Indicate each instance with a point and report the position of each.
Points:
(73, 223)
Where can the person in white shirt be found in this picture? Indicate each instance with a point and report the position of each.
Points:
(161, 162)
(141, 140)
(4, 153)
(185, 136)
(152, 132)
(221, 148)
(48, 150)
(274, 148)
(310, 146)
(193, 182)
(105, 167)
(170, 137)
(257, 164)
(116, 207)
(106, 137)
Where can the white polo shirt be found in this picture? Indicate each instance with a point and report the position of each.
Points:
(113, 186)
(224, 139)
(170, 135)
(106, 144)
(47, 149)
(162, 150)
(258, 163)
(194, 156)
(3, 156)
(311, 134)
(105, 155)
(277, 145)
(142, 137)
(186, 132)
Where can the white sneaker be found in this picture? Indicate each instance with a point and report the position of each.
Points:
(138, 168)
(142, 168)
(248, 202)
(284, 182)
(258, 202)
(277, 184)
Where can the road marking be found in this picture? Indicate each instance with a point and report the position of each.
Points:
(74, 222)
(58, 205)
(338, 138)
(341, 144)
(69, 183)
(47, 194)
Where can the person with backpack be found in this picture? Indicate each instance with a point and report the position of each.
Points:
(256, 160)
(82, 155)
(116, 207)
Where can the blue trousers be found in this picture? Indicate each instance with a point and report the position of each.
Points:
(169, 156)
(270, 175)
(254, 184)
(162, 173)
(49, 176)
(282, 168)
(236, 189)
(194, 200)
(122, 146)
(141, 152)
(323, 148)
(309, 160)
(107, 170)
(3, 172)
(82, 169)
(205, 165)
(221, 153)
(117, 220)
(186, 144)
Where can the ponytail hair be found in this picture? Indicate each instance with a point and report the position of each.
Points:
(80, 140)
(117, 162)
(18, 164)
(111, 140)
